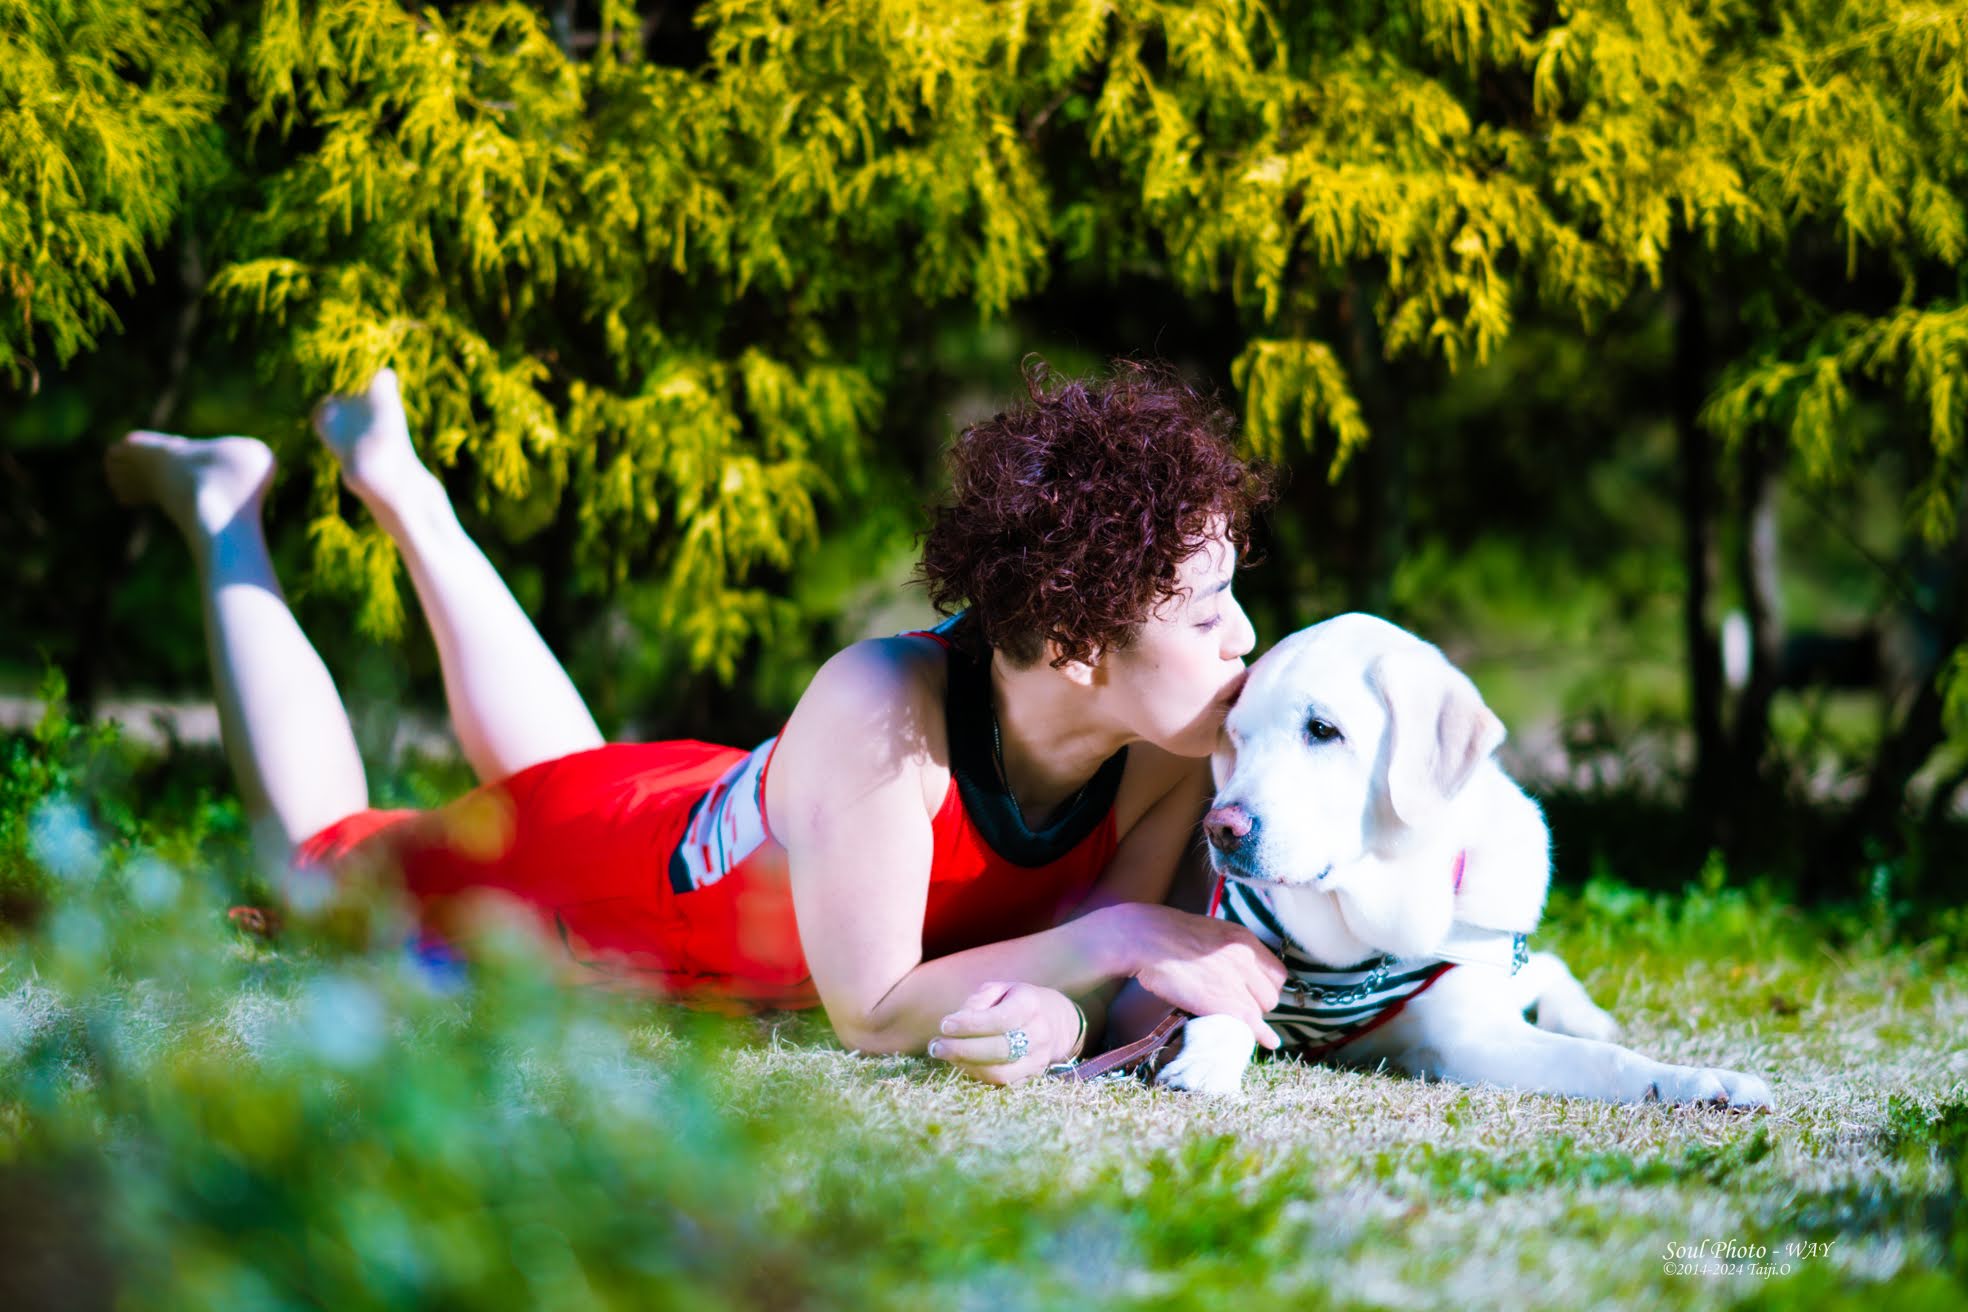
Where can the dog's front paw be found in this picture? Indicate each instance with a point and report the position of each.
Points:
(1744, 1093)
(1712, 1087)
(1215, 1050)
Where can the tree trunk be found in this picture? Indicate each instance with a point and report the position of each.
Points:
(1698, 550)
(1383, 483)
(1875, 821)
(85, 671)
(1757, 574)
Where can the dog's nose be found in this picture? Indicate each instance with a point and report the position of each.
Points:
(1228, 827)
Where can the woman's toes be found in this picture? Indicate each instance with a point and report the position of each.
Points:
(138, 465)
(200, 484)
(118, 469)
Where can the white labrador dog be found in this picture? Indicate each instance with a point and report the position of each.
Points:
(1362, 828)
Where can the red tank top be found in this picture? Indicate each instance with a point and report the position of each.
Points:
(990, 878)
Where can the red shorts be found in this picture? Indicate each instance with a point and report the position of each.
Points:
(583, 844)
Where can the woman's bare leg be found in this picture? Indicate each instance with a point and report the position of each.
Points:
(511, 703)
(285, 731)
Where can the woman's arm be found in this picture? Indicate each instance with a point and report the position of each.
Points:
(848, 803)
(1162, 846)
(1152, 852)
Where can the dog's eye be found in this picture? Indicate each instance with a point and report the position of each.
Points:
(1321, 731)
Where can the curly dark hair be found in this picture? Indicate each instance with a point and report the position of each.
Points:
(1068, 516)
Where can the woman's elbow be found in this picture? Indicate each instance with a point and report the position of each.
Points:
(879, 1044)
(864, 1032)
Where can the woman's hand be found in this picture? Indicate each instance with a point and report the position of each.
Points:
(976, 1036)
(1205, 966)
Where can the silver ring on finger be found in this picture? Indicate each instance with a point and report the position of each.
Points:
(1019, 1043)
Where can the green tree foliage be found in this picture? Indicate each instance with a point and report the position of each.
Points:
(1859, 115)
(652, 285)
(106, 116)
(663, 287)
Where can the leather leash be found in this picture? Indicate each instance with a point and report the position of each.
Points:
(1145, 1056)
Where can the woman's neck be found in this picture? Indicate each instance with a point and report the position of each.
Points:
(1052, 733)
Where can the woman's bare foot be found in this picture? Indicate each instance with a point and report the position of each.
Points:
(202, 484)
(369, 436)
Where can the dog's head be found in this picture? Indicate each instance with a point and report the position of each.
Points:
(1349, 737)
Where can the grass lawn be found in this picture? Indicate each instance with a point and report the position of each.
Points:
(188, 1119)
(1353, 1188)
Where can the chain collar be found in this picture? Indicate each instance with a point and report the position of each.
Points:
(1333, 995)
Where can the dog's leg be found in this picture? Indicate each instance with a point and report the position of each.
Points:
(1215, 1051)
(1563, 1006)
(1514, 1054)
(1463, 1030)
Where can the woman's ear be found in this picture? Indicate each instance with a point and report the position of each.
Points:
(1438, 731)
(1080, 672)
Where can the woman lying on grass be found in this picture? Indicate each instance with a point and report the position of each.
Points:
(1005, 798)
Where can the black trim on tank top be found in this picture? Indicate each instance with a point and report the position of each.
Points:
(680, 880)
(967, 714)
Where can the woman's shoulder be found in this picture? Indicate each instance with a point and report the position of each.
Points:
(873, 710)
(903, 676)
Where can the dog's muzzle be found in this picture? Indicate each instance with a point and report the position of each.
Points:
(1228, 828)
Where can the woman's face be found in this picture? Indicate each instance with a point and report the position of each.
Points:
(1173, 685)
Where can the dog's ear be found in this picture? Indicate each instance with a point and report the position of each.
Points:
(1438, 731)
